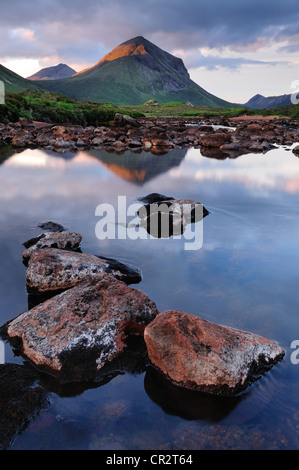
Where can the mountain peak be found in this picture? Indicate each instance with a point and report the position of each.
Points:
(134, 72)
(132, 47)
(53, 73)
(137, 40)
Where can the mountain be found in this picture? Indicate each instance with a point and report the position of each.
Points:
(261, 102)
(53, 73)
(132, 73)
(14, 83)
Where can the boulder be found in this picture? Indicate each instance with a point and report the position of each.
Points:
(97, 142)
(77, 333)
(26, 123)
(45, 138)
(205, 128)
(19, 141)
(80, 143)
(119, 146)
(121, 120)
(58, 130)
(191, 211)
(51, 269)
(166, 219)
(160, 141)
(51, 226)
(134, 143)
(155, 197)
(201, 355)
(62, 144)
(232, 146)
(62, 240)
(216, 139)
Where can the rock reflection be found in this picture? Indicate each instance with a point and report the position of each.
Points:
(21, 399)
(132, 361)
(187, 404)
(6, 151)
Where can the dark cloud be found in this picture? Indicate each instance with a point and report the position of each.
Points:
(72, 29)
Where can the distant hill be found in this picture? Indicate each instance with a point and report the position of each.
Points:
(14, 83)
(132, 73)
(261, 102)
(53, 73)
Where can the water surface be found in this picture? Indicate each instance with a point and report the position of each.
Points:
(245, 276)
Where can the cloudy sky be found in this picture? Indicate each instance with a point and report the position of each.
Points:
(233, 49)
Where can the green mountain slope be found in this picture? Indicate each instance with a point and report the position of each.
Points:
(14, 83)
(133, 73)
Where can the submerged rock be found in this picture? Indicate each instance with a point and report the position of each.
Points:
(51, 227)
(62, 240)
(201, 355)
(164, 216)
(155, 197)
(51, 269)
(184, 206)
(76, 333)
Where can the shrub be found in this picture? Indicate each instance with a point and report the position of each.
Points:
(58, 109)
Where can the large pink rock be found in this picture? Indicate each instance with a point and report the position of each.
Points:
(201, 355)
(52, 269)
(76, 333)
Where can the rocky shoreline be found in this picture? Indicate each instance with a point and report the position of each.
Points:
(216, 137)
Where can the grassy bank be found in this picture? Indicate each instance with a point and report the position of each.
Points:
(55, 108)
(183, 110)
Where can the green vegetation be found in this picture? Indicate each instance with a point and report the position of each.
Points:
(176, 109)
(58, 109)
(291, 110)
(14, 83)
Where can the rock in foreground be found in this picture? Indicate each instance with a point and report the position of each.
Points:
(204, 356)
(62, 240)
(51, 269)
(76, 333)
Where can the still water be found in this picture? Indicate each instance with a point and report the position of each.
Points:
(245, 275)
